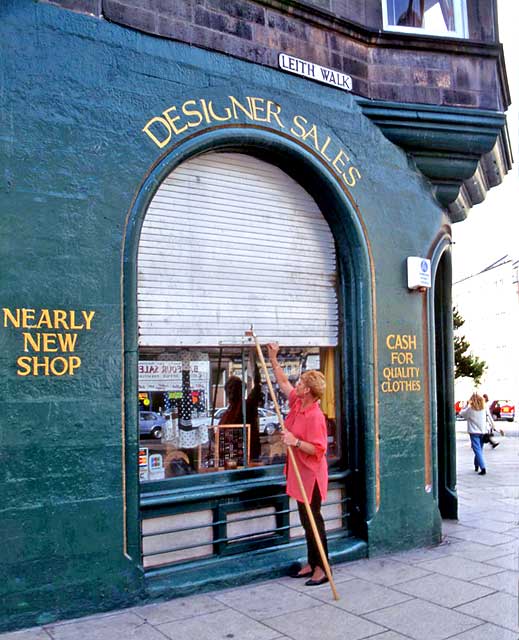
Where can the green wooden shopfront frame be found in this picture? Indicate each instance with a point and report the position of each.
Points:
(353, 254)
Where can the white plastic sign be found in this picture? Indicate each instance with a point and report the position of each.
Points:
(418, 273)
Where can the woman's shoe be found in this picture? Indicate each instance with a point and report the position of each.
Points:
(476, 468)
(301, 575)
(483, 472)
(316, 583)
(494, 444)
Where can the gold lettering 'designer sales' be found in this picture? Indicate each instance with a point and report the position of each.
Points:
(191, 114)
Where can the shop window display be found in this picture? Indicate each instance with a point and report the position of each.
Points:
(203, 412)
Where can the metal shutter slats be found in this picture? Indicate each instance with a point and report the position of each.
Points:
(229, 240)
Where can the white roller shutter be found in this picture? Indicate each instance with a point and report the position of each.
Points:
(230, 240)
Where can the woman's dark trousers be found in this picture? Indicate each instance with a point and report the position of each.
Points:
(314, 557)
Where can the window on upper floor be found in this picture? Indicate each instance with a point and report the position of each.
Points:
(446, 18)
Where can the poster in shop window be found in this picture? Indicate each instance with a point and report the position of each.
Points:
(166, 375)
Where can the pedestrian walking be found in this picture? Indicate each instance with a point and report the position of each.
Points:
(491, 427)
(475, 415)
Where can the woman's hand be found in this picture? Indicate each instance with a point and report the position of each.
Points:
(281, 378)
(289, 438)
(273, 350)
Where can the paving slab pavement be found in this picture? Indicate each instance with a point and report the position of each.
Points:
(462, 589)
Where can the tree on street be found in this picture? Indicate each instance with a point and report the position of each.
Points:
(466, 364)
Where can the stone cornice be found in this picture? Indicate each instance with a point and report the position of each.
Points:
(491, 169)
(463, 152)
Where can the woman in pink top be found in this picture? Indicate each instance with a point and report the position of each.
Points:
(306, 433)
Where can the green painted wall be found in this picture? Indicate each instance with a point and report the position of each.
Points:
(76, 94)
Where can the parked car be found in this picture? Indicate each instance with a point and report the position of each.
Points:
(268, 420)
(502, 410)
(151, 424)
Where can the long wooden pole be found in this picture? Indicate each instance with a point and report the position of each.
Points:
(293, 463)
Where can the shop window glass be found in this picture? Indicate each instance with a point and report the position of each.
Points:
(430, 17)
(207, 411)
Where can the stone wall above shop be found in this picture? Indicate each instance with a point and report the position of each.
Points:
(346, 36)
(481, 15)
(457, 78)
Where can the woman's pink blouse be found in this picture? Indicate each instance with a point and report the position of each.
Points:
(308, 425)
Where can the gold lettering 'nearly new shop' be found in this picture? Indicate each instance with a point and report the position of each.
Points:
(42, 333)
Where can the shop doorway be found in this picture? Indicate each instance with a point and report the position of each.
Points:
(445, 415)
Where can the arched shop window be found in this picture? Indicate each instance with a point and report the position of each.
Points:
(229, 241)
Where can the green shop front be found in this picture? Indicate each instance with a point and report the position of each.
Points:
(155, 205)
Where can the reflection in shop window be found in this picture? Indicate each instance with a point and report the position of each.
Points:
(207, 411)
(434, 17)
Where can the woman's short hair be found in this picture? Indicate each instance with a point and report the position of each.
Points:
(477, 402)
(315, 381)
